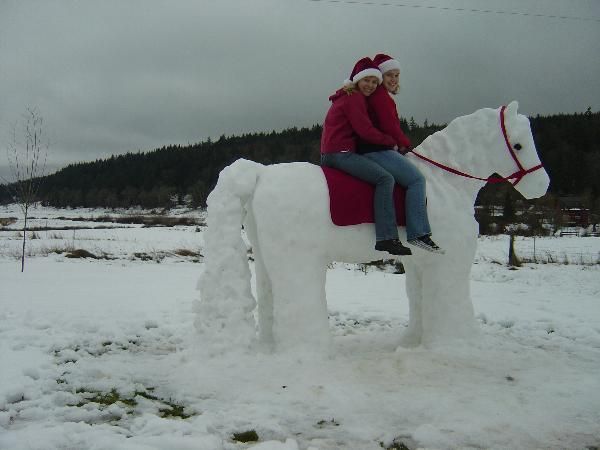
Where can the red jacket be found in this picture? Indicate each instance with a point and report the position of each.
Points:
(348, 120)
(384, 115)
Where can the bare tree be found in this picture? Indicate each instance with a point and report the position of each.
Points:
(27, 155)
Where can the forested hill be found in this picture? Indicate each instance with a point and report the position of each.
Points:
(152, 179)
(568, 144)
(569, 147)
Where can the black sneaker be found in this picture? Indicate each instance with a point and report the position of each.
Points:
(393, 246)
(426, 243)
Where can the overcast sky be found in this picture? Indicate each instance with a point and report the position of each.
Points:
(114, 76)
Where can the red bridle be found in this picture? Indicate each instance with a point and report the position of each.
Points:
(517, 176)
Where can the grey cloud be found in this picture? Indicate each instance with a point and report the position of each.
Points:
(111, 77)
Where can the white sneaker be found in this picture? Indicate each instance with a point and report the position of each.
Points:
(426, 243)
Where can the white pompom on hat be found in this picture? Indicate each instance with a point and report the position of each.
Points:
(362, 69)
(385, 63)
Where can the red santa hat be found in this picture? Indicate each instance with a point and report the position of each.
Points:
(362, 69)
(385, 63)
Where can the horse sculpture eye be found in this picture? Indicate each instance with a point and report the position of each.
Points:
(517, 147)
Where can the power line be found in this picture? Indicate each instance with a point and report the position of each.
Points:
(447, 8)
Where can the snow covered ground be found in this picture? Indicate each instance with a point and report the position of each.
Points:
(103, 354)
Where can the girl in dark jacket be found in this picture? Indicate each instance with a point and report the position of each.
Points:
(384, 116)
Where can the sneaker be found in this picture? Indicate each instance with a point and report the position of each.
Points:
(426, 243)
(393, 246)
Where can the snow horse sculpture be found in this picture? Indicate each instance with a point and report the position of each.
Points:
(285, 211)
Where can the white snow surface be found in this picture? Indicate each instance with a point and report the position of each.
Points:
(74, 330)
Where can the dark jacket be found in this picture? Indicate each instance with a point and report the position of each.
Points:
(384, 115)
(348, 120)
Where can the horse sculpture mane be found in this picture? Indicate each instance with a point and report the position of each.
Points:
(285, 211)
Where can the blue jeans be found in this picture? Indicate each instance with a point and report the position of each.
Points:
(383, 169)
(409, 177)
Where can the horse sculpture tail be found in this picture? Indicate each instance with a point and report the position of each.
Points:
(224, 314)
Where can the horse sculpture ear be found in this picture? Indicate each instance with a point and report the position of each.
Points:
(511, 109)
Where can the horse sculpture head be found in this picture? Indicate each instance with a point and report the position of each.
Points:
(522, 166)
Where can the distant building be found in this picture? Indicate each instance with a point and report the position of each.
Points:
(575, 214)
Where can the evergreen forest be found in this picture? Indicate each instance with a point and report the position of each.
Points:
(568, 144)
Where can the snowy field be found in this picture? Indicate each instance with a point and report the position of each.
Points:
(101, 353)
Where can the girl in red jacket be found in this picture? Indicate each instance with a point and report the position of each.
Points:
(347, 120)
(383, 113)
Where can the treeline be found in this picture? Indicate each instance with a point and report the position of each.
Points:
(568, 144)
(154, 179)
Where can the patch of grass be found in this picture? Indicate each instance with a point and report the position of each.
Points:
(107, 399)
(57, 249)
(98, 227)
(128, 402)
(166, 221)
(93, 350)
(174, 411)
(154, 256)
(579, 259)
(167, 408)
(399, 268)
(396, 445)
(146, 394)
(143, 256)
(246, 436)
(80, 253)
(186, 252)
(139, 219)
(327, 423)
(6, 221)
(382, 265)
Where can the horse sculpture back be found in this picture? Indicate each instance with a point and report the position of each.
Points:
(285, 211)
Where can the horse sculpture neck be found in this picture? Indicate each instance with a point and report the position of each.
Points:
(469, 144)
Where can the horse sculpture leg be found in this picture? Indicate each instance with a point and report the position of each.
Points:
(264, 292)
(412, 336)
(446, 309)
(300, 317)
(264, 300)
